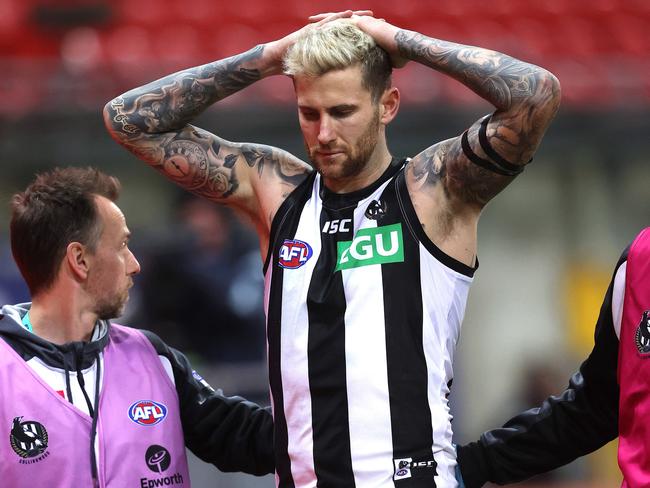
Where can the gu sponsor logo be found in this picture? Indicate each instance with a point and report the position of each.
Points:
(378, 245)
(147, 412)
(294, 253)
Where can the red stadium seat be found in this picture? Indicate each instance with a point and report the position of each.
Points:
(130, 53)
(632, 34)
(144, 12)
(178, 46)
(601, 47)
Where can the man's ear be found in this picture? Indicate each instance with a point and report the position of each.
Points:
(389, 105)
(77, 260)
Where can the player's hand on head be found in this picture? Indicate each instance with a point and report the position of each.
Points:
(323, 18)
(278, 48)
(384, 34)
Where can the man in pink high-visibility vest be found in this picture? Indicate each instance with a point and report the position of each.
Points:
(608, 397)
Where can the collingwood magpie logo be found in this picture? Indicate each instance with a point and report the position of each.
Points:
(642, 336)
(28, 440)
(376, 210)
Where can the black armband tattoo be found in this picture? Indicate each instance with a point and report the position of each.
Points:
(489, 150)
(498, 164)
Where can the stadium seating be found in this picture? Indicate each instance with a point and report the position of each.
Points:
(599, 49)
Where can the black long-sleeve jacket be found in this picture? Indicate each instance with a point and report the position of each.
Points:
(580, 420)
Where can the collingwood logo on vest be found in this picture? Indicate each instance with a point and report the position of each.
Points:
(158, 460)
(29, 440)
(376, 245)
(642, 335)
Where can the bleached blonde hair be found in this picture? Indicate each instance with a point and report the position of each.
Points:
(338, 45)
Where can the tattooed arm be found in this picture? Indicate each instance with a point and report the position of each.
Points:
(447, 188)
(153, 122)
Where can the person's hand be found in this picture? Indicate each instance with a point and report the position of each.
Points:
(276, 49)
(384, 35)
(320, 19)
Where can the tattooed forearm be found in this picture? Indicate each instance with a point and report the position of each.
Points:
(500, 79)
(172, 102)
(121, 118)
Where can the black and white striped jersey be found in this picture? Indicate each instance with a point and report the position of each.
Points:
(363, 315)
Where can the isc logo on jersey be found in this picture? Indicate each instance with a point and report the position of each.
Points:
(377, 245)
(294, 253)
(147, 412)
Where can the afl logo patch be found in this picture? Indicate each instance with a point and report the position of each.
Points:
(294, 253)
(147, 412)
(642, 335)
(28, 439)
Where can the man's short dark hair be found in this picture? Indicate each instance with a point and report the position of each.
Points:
(57, 208)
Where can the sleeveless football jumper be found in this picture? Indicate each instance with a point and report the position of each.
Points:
(363, 316)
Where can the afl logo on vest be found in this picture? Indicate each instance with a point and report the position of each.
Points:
(28, 440)
(642, 336)
(294, 253)
(147, 412)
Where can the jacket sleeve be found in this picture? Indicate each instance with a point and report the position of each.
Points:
(229, 432)
(580, 420)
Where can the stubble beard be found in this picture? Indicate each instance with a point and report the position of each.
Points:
(357, 160)
(113, 308)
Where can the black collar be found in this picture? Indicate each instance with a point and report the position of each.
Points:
(339, 201)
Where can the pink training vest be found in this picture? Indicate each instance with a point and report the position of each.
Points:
(45, 441)
(634, 367)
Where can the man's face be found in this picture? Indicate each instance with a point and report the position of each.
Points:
(112, 264)
(339, 122)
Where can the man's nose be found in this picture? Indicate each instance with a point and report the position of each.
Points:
(325, 131)
(134, 265)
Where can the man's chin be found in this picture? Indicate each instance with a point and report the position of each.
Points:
(331, 167)
(112, 311)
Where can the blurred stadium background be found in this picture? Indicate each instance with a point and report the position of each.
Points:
(547, 245)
